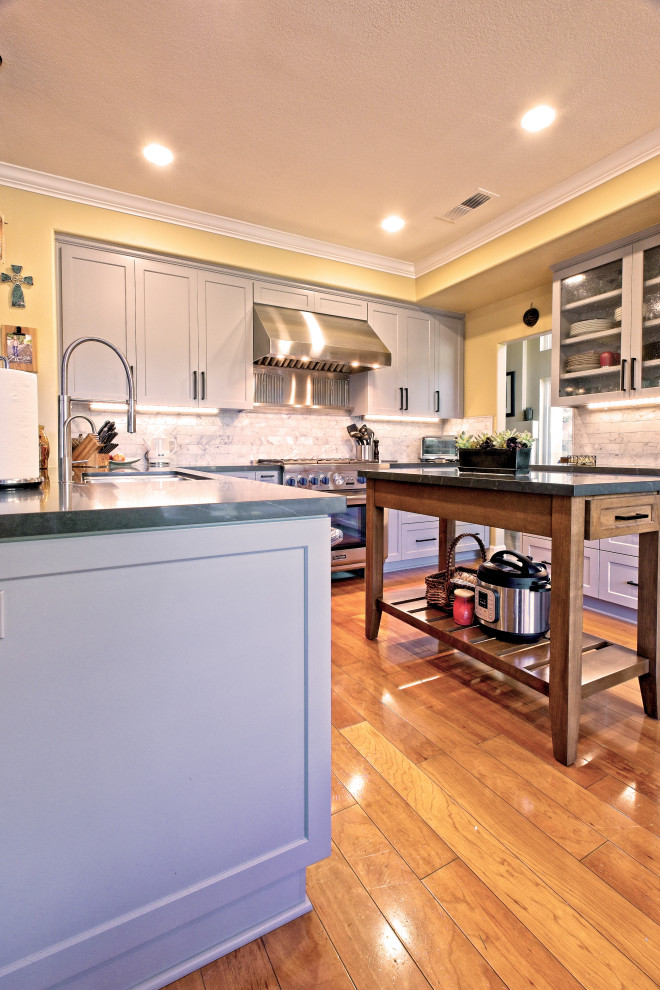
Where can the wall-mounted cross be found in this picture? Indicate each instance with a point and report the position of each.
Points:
(17, 297)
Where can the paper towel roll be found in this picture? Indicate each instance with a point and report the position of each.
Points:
(19, 426)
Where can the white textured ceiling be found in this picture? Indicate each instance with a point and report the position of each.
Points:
(320, 117)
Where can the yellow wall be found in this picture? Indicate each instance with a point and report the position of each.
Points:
(485, 330)
(32, 220)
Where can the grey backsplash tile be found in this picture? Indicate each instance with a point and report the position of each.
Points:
(242, 437)
(628, 437)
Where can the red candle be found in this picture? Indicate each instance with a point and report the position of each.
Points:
(463, 608)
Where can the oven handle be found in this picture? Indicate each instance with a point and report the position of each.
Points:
(357, 499)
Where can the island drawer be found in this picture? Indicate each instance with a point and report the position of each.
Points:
(607, 516)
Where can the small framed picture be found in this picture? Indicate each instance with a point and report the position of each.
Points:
(511, 393)
(19, 346)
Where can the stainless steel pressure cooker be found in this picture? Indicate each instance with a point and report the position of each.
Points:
(512, 597)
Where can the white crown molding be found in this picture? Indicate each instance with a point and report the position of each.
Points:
(635, 153)
(111, 199)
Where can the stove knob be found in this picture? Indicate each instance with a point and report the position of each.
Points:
(302, 480)
(313, 479)
(290, 481)
(325, 480)
(338, 480)
(361, 480)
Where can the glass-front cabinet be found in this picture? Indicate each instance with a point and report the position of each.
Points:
(606, 325)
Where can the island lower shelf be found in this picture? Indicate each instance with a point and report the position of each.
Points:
(604, 664)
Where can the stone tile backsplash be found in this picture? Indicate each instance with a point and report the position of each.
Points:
(243, 437)
(618, 437)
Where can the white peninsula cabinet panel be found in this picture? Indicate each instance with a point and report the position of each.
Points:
(225, 341)
(162, 791)
(97, 300)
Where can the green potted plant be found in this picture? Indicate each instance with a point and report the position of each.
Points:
(507, 451)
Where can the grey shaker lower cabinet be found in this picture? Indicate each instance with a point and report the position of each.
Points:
(610, 575)
(412, 537)
(166, 759)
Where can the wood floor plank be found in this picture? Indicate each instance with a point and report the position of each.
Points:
(637, 884)
(421, 847)
(526, 799)
(629, 801)
(588, 955)
(340, 798)
(248, 966)
(445, 956)
(580, 801)
(513, 952)
(302, 956)
(374, 956)
(342, 713)
(405, 736)
(193, 981)
(614, 917)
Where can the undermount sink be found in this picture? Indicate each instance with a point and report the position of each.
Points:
(123, 477)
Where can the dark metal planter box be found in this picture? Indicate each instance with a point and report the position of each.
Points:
(494, 459)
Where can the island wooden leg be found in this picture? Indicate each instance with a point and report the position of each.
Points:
(648, 633)
(374, 564)
(566, 626)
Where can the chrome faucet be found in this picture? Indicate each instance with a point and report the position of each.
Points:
(64, 408)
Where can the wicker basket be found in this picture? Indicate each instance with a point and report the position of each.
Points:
(440, 586)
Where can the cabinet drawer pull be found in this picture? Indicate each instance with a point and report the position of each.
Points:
(203, 378)
(633, 584)
(637, 515)
(428, 539)
(194, 384)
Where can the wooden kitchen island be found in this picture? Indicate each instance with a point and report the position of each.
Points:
(567, 506)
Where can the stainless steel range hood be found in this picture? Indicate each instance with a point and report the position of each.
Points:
(292, 338)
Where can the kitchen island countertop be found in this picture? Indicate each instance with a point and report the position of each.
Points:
(152, 502)
(541, 481)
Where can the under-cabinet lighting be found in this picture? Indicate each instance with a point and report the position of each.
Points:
(404, 419)
(120, 407)
(620, 403)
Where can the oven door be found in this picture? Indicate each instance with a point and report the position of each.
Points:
(350, 552)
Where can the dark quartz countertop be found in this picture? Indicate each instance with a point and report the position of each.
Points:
(152, 501)
(542, 480)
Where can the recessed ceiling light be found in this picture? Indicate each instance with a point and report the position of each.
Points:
(392, 224)
(538, 118)
(157, 154)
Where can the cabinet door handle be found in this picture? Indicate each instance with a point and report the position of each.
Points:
(437, 400)
(194, 384)
(401, 400)
(406, 390)
(428, 539)
(632, 374)
(637, 515)
(622, 381)
(633, 584)
(203, 378)
(132, 371)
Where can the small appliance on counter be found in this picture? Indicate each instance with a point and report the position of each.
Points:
(161, 451)
(438, 450)
(512, 597)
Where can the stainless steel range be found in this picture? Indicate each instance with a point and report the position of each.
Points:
(345, 476)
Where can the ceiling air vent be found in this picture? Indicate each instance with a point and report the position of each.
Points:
(468, 205)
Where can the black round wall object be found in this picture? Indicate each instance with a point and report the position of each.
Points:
(531, 317)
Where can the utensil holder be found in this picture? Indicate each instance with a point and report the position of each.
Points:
(364, 451)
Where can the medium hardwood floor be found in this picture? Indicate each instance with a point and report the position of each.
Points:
(463, 855)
